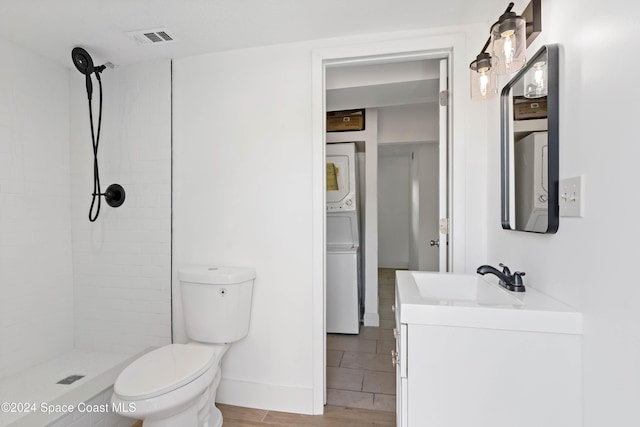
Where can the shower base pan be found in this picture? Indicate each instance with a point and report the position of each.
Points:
(38, 399)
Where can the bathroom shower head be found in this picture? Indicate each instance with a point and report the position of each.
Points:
(82, 60)
(115, 194)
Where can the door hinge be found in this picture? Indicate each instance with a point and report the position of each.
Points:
(444, 98)
(444, 225)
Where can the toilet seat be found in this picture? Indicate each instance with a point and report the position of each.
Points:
(165, 369)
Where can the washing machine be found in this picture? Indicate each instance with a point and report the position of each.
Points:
(343, 299)
(531, 182)
(343, 241)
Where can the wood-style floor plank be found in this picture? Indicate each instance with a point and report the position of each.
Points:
(238, 413)
(333, 416)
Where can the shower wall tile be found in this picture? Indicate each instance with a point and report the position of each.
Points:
(122, 262)
(36, 283)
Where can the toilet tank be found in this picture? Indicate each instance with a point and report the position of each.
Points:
(216, 302)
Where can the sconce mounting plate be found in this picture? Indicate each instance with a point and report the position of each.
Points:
(533, 15)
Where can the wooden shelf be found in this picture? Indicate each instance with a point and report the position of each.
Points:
(522, 128)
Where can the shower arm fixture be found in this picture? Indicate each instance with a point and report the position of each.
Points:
(115, 194)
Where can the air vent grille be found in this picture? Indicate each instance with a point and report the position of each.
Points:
(151, 36)
(165, 36)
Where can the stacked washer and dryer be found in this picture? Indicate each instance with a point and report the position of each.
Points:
(343, 241)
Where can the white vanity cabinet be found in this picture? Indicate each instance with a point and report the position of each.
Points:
(464, 363)
(399, 358)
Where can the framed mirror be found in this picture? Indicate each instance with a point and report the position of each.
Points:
(529, 145)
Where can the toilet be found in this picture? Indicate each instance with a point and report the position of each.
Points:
(175, 385)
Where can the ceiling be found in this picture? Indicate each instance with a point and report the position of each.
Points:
(382, 84)
(52, 28)
(384, 95)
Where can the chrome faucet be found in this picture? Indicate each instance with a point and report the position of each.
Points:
(512, 282)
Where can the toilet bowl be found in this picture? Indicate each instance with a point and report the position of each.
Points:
(175, 385)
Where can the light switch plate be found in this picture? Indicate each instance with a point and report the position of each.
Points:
(572, 197)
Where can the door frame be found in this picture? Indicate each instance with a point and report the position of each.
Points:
(451, 47)
(445, 248)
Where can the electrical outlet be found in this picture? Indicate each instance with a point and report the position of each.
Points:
(572, 197)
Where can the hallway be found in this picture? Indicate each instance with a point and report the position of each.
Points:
(359, 369)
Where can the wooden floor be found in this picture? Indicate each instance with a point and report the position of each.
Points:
(359, 369)
(334, 416)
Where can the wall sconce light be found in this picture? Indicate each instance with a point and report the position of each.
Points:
(509, 38)
(508, 42)
(484, 82)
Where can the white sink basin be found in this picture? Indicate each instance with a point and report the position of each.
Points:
(470, 300)
(459, 289)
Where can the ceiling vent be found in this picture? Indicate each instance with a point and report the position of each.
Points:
(151, 36)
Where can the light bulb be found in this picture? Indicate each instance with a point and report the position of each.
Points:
(484, 84)
(507, 48)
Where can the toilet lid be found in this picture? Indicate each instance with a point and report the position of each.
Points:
(165, 369)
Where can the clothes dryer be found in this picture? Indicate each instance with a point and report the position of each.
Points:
(343, 241)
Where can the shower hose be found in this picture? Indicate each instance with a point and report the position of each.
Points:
(95, 141)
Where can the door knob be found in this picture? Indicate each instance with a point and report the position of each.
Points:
(434, 243)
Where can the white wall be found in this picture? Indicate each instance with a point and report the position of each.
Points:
(393, 210)
(122, 262)
(242, 197)
(243, 185)
(408, 123)
(589, 263)
(36, 303)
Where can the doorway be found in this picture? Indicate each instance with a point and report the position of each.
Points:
(450, 47)
(402, 144)
(401, 98)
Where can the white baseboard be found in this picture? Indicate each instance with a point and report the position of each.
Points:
(371, 319)
(298, 400)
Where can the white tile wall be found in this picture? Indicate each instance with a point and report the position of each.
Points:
(36, 307)
(121, 267)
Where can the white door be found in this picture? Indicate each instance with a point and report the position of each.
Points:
(443, 190)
